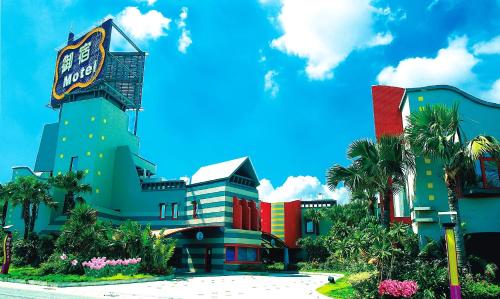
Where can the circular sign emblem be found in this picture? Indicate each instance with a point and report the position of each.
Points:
(199, 236)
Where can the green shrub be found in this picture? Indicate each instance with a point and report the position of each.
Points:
(60, 263)
(275, 267)
(156, 253)
(25, 252)
(365, 284)
(479, 289)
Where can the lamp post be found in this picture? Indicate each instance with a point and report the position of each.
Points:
(7, 249)
(451, 251)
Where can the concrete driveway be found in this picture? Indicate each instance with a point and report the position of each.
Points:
(285, 286)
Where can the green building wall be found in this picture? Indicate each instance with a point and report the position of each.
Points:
(429, 195)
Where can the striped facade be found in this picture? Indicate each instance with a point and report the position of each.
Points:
(125, 187)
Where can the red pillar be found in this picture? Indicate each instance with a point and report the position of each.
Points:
(254, 216)
(237, 213)
(265, 217)
(246, 215)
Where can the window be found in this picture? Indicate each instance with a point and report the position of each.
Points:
(195, 209)
(309, 227)
(490, 172)
(242, 254)
(247, 254)
(175, 211)
(73, 166)
(163, 211)
(230, 254)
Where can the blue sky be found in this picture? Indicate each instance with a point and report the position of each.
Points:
(285, 82)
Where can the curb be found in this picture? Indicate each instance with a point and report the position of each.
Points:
(85, 283)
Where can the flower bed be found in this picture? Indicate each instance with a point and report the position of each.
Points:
(397, 289)
(102, 267)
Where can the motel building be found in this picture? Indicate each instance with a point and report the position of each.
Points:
(216, 217)
(425, 194)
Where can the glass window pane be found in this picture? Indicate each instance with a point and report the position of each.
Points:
(230, 254)
(252, 254)
(309, 227)
(242, 254)
(175, 211)
(162, 211)
(491, 173)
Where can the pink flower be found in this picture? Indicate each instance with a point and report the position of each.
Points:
(405, 289)
(74, 262)
(63, 256)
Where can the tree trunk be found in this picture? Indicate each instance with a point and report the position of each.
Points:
(4, 212)
(69, 203)
(371, 206)
(34, 215)
(386, 217)
(459, 235)
(26, 218)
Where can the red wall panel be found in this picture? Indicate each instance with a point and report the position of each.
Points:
(265, 217)
(237, 213)
(254, 216)
(293, 223)
(386, 100)
(388, 121)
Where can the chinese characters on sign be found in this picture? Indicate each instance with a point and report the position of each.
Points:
(7, 252)
(80, 63)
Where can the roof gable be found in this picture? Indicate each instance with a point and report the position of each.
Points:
(241, 166)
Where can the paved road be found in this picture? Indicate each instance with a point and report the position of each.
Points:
(285, 286)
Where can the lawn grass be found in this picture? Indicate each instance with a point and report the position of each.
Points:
(30, 273)
(340, 289)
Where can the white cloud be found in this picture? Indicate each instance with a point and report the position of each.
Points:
(381, 39)
(185, 39)
(300, 187)
(452, 65)
(270, 85)
(325, 32)
(490, 47)
(150, 25)
(149, 2)
(493, 95)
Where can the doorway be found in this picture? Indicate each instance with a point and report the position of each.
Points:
(208, 259)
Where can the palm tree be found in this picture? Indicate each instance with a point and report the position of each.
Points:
(376, 167)
(30, 192)
(71, 183)
(435, 132)
(362, 188)
(314, 215)
(5, 195)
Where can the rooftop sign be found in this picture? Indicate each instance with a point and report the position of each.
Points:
(80, 63)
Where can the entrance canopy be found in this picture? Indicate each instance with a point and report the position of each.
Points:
(271, 241)
(173, 231)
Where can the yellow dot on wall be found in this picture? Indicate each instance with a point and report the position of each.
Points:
(88, 153)
(59, 173)
(431, 197)
(92, 118)
(420, 98)
(427, 161)
(103, 137)
(86, 171)
(91, 135)
(64, 139)
(98, 172)
(61, 156)
(97, 190)
(430, 185)
(101, 155)
(66, 122)
(428, 172)
(105, 121)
